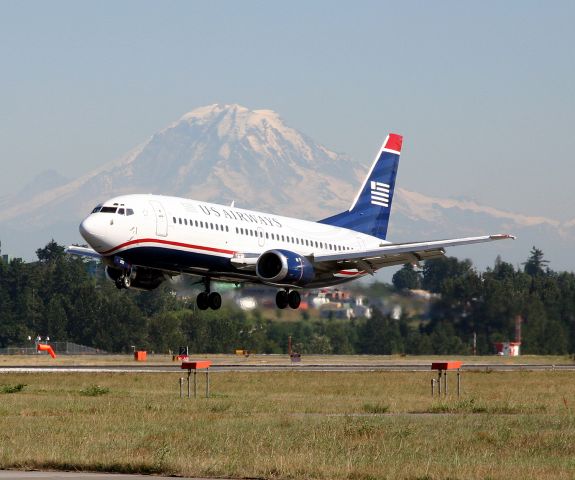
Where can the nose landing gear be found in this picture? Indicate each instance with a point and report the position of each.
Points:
(287, 297)
(123, 281)
(208, 299)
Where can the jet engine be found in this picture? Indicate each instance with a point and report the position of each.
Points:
(140, 278)
(284, 267)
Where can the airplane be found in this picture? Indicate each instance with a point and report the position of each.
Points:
(145, 239)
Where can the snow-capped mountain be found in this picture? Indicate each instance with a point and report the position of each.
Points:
(222, 153)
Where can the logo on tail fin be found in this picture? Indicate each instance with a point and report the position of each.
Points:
(380, 194)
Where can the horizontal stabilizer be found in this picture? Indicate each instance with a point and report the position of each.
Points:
(83, 252)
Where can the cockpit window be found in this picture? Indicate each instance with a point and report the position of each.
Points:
(129, 211)
(108, 209)
(120, 211)
(97, 209)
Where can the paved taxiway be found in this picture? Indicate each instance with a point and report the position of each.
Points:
(386, 367)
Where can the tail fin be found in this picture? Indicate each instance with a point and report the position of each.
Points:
(369, 212)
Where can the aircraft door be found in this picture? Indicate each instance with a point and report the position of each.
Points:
(161, 219)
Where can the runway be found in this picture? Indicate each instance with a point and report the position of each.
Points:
(262, 368)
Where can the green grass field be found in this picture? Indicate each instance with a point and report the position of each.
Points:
(293, 425)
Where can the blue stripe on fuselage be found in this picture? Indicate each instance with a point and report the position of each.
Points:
(174, 260)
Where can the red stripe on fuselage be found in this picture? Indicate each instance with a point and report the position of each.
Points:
(347, 272)
(168, 242)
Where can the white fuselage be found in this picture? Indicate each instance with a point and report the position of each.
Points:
(181, 235)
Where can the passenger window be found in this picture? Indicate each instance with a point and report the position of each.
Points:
(227, 228)
(180, 221)
(267, 235)
(185, 221)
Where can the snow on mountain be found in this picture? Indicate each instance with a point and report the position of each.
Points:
(222, 153)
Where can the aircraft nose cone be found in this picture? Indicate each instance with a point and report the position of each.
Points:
(90, 231)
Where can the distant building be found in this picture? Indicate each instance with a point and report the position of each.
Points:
(247, 303)
(3, 258)
(332, 311)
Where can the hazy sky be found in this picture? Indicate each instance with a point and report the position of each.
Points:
(484, 92)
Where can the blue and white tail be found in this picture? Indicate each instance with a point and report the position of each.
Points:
(369, 212)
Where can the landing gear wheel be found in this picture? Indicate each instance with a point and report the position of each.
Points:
(215, 300)
(282, 299)
(123, 281)
(202, 301)
(294, 299)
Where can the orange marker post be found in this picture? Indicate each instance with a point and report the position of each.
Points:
(195, 366)
(442, 368)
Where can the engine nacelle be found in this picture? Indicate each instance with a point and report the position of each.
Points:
(141, 278)
(285, 267)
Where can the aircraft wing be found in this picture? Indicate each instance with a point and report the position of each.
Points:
(396, 253)
(83, 252)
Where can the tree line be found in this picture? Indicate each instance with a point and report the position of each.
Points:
(69, 299)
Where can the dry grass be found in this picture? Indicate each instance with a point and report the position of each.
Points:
(294, 425)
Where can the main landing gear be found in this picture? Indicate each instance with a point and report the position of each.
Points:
(287, 297)
(207, 299)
